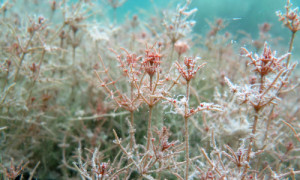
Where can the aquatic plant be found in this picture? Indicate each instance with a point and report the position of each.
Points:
(291, 20)
(84, 96)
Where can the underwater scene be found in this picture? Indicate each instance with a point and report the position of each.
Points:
(149, 89)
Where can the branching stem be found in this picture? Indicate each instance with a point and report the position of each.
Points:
(290, 48)
(187, 157)
(250, 144)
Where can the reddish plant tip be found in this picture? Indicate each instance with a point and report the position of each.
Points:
(53, 5)
(135, 17)
(159, 44)
(14, 171)
(267, 62)
(41, 20)
(8, 62)
(188, 71)
(265, 27)
(33, 67)
(152, 61)
(144, 35)
(206, 129)
(219, 22)
(131, 59)
(252, 80)
(209, 175)
(166, 145)
(62, 34)
(181, 47)
(250, 176)
(289, 146)
(216, 27)
(101, 169)
(291, 18)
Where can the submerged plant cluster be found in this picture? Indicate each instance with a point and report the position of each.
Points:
(84, 96)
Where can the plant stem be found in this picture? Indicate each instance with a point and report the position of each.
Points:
(187, 157)
(261, 88)
(150, 117)
(22, 57)
(6, 79)
(179, 56)
(149, 127)
(250, 144)
(35, 78)
(187, 94)
(159, 173)
(268, 124)
(186, 148)
(131, 131)
(150, 85)
(172, 51)
(290, 48)
(131, 116)
(74, 54)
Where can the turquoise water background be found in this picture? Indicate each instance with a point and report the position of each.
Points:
(250, 12)
(243, 15)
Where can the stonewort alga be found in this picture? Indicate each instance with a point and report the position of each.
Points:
(90, 92)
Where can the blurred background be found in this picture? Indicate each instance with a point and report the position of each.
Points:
(241, 15)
